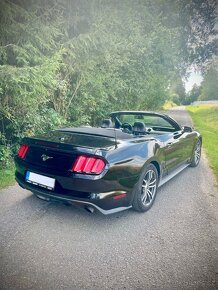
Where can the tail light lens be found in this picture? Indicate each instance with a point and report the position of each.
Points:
(23, 151)
(88, 165)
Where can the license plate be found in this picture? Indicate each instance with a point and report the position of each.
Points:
(40, 180)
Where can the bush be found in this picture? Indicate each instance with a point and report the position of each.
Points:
(5, 156)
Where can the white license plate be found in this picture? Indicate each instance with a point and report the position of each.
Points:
(41, 180)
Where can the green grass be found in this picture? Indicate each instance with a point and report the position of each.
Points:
(7, 176)
(205, 118)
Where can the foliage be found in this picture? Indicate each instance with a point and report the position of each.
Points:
(62, 65)
(177, 90)
(210, 85)
(70, 62)
(193, 95)
(5, 152)
(29, 65)
(175, 99)
(5, 156)
(205, 118)
(196, 21)
(168, 105)
(7, 176)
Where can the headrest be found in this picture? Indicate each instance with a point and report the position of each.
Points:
(139, 128)
(106, 123)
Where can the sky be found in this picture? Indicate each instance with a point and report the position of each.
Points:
(194, 78)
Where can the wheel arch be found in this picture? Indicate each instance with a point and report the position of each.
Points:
(138, 187)
(200, 138)
(147, 163)
(154, 162)
(157, 165)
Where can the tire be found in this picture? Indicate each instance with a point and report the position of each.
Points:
(196, 154)
(146, 189)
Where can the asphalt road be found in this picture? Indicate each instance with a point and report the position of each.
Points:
(173, 246)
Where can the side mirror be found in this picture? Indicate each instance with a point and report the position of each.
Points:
(186, 129)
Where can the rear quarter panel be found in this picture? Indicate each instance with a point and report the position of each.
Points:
(129, 159)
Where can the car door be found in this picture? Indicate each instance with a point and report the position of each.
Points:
(178, 149)
(177, 144)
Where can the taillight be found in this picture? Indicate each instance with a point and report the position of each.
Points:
(23, 151)
(88, 165)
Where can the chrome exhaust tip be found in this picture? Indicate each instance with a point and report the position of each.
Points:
(89, 209)
(43, 197)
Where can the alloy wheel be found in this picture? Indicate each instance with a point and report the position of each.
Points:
(197, 154)
(149, 185)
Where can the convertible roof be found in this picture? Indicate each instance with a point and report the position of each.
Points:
(109, 132)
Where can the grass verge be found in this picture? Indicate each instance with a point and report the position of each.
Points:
(205, 119)
(7, 176)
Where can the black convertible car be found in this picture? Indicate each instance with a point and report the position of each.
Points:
(110, 168)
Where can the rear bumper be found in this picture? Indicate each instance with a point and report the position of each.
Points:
(105, 202)
(83, 203)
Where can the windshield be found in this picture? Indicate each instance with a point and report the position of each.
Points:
(147, 121)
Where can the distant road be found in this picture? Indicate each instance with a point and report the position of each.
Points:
(47, 245)
(181, 116)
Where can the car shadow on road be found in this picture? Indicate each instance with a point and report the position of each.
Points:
(70, 211)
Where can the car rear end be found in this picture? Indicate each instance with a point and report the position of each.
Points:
(58, 167)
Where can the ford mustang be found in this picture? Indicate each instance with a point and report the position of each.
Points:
(113, 167)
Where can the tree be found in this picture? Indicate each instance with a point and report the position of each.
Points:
(193, 95)
(30, 60)
(70, 62)
(177, 90)
(197, 29)
(210, 85)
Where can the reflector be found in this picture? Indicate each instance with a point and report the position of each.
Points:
(119, 196)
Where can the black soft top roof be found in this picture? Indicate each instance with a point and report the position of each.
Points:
(109, 132)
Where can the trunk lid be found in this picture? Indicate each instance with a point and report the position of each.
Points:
(50, 158)
(59, 149)
(75, 139)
